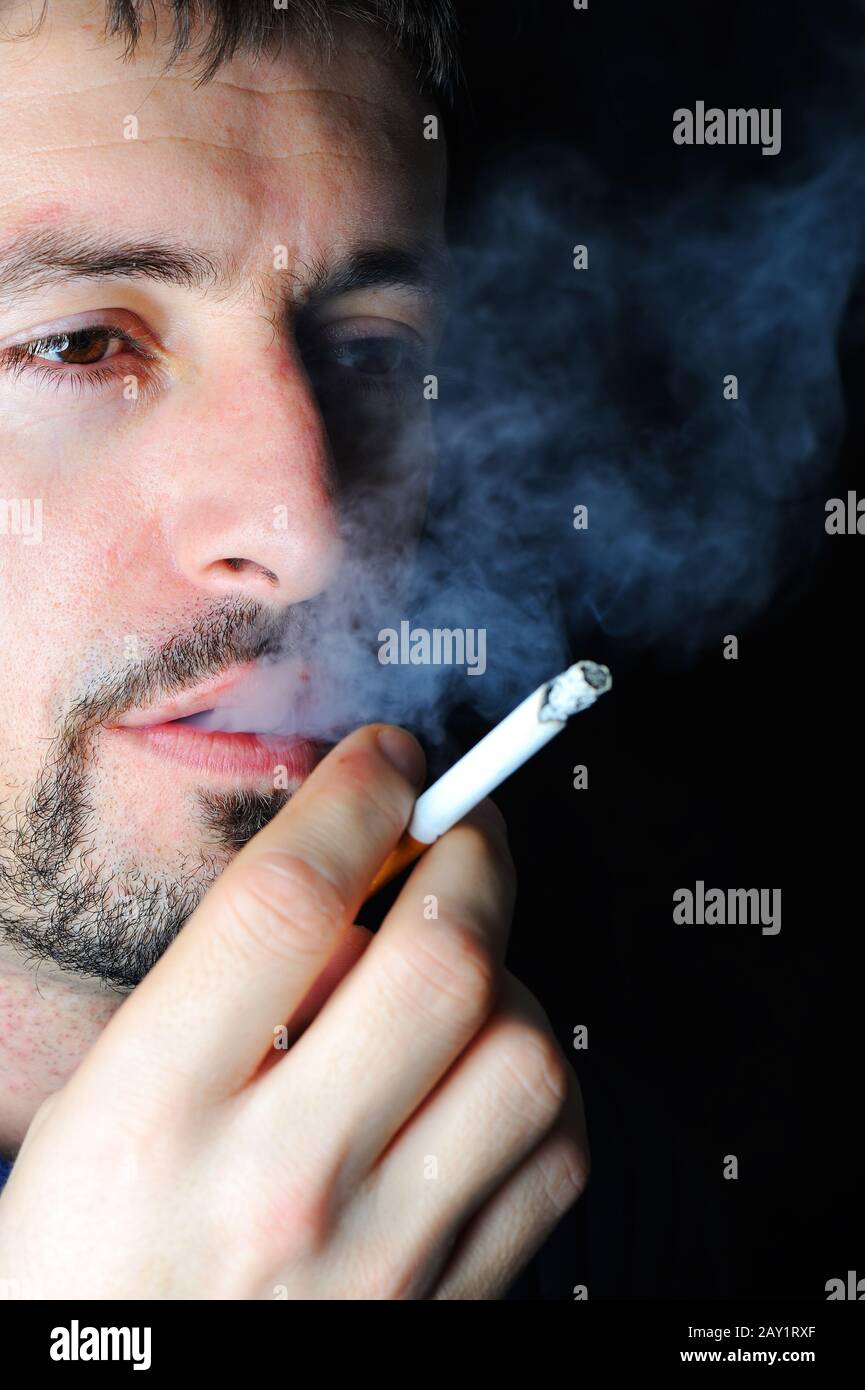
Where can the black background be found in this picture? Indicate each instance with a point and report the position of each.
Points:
(703, 1041)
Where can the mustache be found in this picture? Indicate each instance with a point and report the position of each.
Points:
(232, 634)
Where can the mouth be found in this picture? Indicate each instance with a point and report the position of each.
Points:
(181, 731)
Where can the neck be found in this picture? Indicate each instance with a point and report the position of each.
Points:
(49, 1020)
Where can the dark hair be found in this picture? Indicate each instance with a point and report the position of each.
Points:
(424, 30)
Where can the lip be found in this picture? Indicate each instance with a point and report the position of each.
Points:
(213, 694)
(254, 756)
(250, 756)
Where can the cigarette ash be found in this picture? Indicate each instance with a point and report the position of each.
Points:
(575, 690)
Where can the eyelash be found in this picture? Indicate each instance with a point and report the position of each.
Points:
(19, 360)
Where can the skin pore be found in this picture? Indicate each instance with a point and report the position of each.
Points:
(195, 286)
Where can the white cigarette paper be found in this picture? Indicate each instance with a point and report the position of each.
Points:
(506, 747)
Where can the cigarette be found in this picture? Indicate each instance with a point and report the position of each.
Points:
(505, 748)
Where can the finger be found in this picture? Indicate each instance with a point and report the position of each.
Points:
(512, 1226)
(423, 989)
(496, 1104)
(346, 956)
(344, 959)
(251, 951)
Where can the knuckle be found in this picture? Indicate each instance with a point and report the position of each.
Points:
(536, 1075)
(500, 864)
(563, 1166)
(491, 847)
(290, 1227)
(492, 821)
(446, 972)
(44, 1109)
(41, 1115)
(284, 907)
(303, 1226)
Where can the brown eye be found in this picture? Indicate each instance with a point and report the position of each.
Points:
(89, 358)
(82, 348)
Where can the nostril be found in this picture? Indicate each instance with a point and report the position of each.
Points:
(238, 566)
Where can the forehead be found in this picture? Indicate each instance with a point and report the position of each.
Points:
(298, 150)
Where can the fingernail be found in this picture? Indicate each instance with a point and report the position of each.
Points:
(404, 752)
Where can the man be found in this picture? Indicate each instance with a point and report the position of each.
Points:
(221, 249)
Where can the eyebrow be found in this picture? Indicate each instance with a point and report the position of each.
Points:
(42, 259)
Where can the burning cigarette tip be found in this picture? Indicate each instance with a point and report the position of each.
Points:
(575, 690)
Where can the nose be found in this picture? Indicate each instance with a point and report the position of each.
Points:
(254, 498)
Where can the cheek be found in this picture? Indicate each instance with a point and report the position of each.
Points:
(36, 631)
(61, 538)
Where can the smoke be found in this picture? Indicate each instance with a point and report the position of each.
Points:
(603, 388)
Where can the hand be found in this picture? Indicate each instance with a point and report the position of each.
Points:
(419, 1138)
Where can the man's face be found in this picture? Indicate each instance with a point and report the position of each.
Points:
(195, 374)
